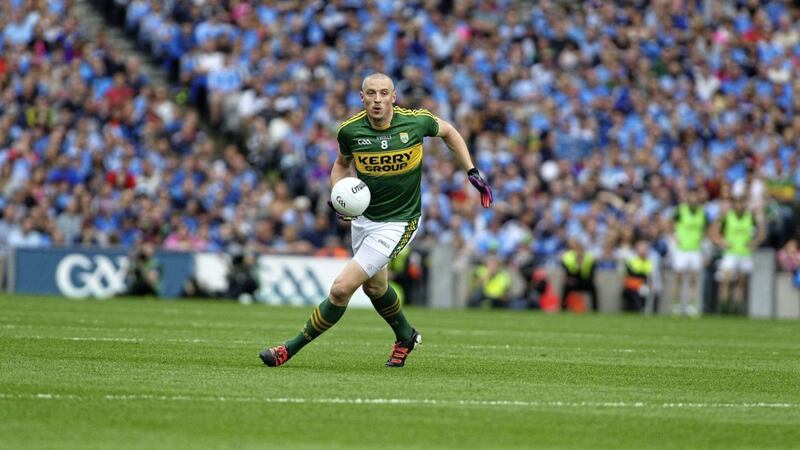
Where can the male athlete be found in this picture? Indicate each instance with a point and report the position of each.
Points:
(384, 143)
(690, 223)
(738, 232)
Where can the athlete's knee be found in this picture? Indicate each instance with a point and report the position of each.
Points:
(375, 291)
(341, 292)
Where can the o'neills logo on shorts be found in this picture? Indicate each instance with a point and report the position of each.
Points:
(392, 162)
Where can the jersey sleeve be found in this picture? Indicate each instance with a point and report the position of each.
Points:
(344, 142)
(427, 121)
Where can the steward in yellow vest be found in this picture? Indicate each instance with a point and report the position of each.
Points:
(579, 267)
(493, 284)
(636, 284)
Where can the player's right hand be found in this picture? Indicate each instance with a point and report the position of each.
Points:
(482, 186)
(339, 215)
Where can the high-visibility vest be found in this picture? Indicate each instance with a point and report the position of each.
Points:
(497, 285)
(689, 227)
(570, 260)
(738, 233)
(638, 270)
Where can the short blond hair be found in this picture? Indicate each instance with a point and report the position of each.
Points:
(376, 75)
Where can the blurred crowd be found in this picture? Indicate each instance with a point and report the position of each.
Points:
(92, 154)
(591, 120)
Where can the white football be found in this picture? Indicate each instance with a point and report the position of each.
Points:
(350, 196)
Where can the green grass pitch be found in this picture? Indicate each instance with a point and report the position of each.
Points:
(185, 374)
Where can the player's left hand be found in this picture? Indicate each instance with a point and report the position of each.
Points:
(482, 186)
(339, 215)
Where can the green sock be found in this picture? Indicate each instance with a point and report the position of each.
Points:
(324, 317)
(388, 307)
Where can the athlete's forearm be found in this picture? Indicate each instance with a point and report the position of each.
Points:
(340, 169)
(459, 148)
(455, 142)
(338, 172)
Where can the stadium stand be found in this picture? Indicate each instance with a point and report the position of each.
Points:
(592, 122)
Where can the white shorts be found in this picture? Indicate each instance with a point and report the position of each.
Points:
(376, 243)
(687, 261)
(736, 264)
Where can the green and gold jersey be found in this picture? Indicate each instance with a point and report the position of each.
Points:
(389, 160)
